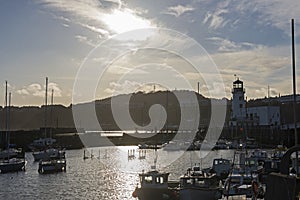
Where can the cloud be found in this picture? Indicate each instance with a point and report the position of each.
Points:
(87, 9)
(123, 20)
(178, 10)
(103, 33)
(85, 40)
(263, 92)
(122, 88)
(57, 92)
(250, 29)
(105, 17)
(258, 67)
(65, 25)
(22, 92)
(263, 13)
(226, 45)
(128, 86)
(275, 13)
(36, 90)
(215, 19)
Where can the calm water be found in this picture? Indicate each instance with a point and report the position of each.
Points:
(109, 175)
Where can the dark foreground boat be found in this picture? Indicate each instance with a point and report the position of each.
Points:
(197, 184)
(155, 186)
(52, 166)
(11, 159)
(12, 165)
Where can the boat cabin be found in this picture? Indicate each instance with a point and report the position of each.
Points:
(271, 165)
(221, 166)
(197, 178)
(154, 179)
(196, 181)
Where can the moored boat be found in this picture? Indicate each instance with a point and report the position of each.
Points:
(221, 167)
(11, 159)
(12, 165)
(41, 143)
(52, 166)
(243, 184)
(51, 153)
(245, 177)
(155, 186)
(197, 184)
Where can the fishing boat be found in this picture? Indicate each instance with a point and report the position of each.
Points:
(245, 177)
(154, 185)
(197, 184)
(238, 184)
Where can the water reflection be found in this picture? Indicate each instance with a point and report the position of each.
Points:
(108, 175)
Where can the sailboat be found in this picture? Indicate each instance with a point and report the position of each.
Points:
(12, 160)
(46, 152)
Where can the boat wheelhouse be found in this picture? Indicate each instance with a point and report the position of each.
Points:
(197, 184)
(221, 167)
(155, 185)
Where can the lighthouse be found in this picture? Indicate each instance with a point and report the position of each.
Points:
(238, 100)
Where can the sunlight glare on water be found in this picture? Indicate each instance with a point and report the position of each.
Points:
(109, 175)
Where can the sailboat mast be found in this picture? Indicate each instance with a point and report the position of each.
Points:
(51, 113)
(46, 98)
(167, 108)
(6, 117)
(294, 81)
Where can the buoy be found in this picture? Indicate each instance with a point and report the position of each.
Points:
(134, 194)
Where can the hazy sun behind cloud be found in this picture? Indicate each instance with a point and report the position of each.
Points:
(124, 20)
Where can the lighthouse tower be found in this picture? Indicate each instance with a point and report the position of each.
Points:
(238, 101)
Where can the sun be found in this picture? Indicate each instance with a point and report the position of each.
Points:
(120, 21)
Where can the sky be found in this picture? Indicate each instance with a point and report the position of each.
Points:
(56, 38)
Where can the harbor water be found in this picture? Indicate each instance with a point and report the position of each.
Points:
(107, 174)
